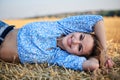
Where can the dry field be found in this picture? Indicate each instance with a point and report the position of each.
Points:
(9, 71)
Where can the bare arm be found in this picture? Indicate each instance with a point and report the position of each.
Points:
(100, 33)
(91, 64)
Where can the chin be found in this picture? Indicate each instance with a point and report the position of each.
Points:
(64, 43)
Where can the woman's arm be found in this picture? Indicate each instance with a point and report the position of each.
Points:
(99, 30)
(91, 64)
(81, 23)
(69, 61)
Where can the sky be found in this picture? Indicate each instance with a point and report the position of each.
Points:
(14, 9)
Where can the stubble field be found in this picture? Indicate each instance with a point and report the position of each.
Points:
(9, 71)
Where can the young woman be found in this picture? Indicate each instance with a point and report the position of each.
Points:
(67, 42)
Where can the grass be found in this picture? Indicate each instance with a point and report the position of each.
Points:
(10, 71)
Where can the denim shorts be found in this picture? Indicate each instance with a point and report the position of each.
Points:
(4, 30)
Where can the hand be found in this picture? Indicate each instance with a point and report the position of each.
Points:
(109, 63)
(91, 64)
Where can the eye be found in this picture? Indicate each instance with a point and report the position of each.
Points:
(82, 37)
(80, 47)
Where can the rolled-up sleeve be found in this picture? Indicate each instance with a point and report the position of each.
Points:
(82, 23)
(70, 61)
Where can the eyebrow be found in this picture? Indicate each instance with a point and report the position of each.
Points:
(83, 36)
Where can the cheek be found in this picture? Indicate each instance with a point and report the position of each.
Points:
(65, 45)
(73, 51)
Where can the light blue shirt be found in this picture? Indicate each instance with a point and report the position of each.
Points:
(37, 41)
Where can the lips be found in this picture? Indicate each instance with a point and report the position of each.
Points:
(69, 41)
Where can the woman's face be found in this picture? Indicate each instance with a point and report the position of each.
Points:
(78, 43)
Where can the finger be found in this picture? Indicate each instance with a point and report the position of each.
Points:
(110, 64)
(106, 64)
